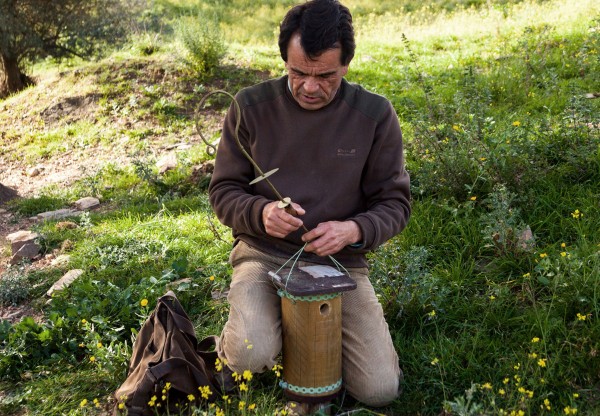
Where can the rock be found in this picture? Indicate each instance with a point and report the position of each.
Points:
(67, 245)
(58, 214)
(167, 162)
(33, 172)
(206, 168)
(27, 251)
(175, 285)
(65, 281)
(61, 260)
(66, 225)
(21, 238)
(87, 203)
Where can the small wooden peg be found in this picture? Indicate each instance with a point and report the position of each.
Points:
(284, 203)
(263, 176)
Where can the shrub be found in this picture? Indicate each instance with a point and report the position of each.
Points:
(13, 289)
(203, 44)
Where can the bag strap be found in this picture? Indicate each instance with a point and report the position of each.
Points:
(182, 321)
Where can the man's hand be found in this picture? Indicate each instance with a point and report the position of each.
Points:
(278, 223)
(330, 237)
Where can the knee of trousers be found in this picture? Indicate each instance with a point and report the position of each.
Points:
(377, 391)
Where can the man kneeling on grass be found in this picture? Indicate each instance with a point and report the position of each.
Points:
(338, 148)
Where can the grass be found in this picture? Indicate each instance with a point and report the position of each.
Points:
(491, 292)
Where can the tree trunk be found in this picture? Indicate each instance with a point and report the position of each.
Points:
(11, 79)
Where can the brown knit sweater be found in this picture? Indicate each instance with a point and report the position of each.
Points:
(341, 162)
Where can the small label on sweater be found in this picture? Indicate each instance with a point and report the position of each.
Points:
(346, 152)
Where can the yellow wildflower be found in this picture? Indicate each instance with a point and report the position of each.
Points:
(247, 375)
(533, 355)
(277, 369)
(563, 254)
(435, 361)
(96, 403)
(563, 245)
(83, 321)
(456, 127)
(83, 403)
(92, 358)
(212, 278)
(486, 386)
(205, 392)
(243, 387)
(121, 406)
(144, 303)
(577, 214)
(473, 198)
(99, 345)
(547, 404)
(501, 392)
(241, 405)
(535, 339)
(543, 255)
(542, 362)
(506, 380)
(581, 317)
(252, 406)
(516, 123)
(191, 397)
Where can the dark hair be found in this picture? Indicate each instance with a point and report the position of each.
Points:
(322, 25)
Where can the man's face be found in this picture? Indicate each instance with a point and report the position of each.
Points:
(314, 82)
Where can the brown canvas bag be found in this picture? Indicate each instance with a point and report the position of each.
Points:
(166, 351)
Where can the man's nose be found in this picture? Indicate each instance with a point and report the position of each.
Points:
(311, 85)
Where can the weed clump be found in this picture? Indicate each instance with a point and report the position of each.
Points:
(202, 42)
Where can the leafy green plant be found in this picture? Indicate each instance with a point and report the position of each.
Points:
(203, 43)
(13, 288)
(502, 226)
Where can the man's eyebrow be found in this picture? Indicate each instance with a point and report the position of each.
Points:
(299, 72)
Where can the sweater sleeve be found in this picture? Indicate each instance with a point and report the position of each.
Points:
(385, 185)
(230, 192)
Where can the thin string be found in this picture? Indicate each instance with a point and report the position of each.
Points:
(339, 265)
(295, 257)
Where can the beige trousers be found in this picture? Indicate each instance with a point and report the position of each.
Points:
(251, 338)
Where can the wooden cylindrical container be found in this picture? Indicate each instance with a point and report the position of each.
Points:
(311, 309)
